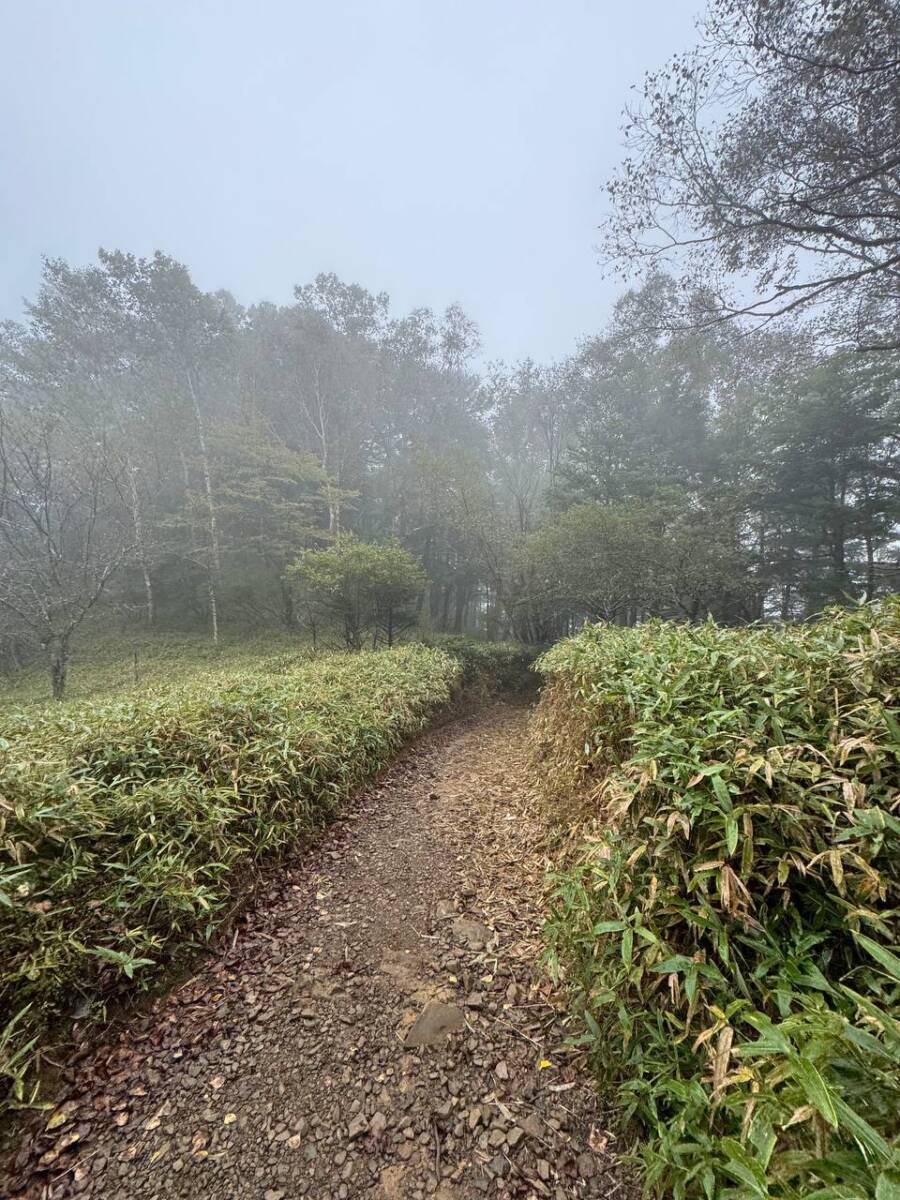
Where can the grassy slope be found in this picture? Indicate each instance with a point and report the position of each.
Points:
(103, 664)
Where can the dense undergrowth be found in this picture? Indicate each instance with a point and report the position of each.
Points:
(726, 914)
(491, 667)
(130, 828)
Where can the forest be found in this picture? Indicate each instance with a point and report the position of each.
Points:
(424, 775)
(184, 463)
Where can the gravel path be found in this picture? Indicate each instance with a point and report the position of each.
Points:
(376, 1028)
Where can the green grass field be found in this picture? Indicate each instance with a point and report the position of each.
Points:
(108, 664)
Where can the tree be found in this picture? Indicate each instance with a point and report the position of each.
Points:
(595, 562)
(770, 152)
(58, 526)
(184, 345)
(348, 308)
(270, 499)
(367, 588)
(824, 481)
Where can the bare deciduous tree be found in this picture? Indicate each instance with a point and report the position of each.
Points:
(770, 155)
(58, 527)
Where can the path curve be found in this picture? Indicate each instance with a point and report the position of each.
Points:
(377, 1028)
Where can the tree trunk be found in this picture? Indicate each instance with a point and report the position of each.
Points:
(288, 608)
(870, 567)
(137, 517)
(215, 557)
(58, 651)
(213, 608)
(148, 591)
(459, 610)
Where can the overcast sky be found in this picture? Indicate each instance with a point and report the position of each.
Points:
(436, 149)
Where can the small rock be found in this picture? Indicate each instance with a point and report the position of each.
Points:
(357, 1127)
(532, 1125)
(475, 935)
(587, 1168)
(434, 1024)
(502, 1070)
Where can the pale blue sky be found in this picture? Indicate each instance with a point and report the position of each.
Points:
(440, 151)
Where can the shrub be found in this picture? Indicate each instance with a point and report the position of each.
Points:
(728, 923)
(366, 588)
(127, 828)
(491, 666)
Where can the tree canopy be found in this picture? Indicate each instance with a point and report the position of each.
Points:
(764, 166)
(180, 460)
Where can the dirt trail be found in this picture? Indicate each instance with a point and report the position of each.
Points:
(377, 1028)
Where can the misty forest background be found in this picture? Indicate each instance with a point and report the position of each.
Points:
(172, 460)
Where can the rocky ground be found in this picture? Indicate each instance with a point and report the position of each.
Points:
(377, 1026)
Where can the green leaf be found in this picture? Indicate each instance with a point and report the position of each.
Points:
(627, 946)
(722, 793)
(862, 1131)
(881, 954)
(887, 1186)
(609, 927)
(678, 962)
(743, 1167)
(815, 1089)
(731, 833)
(894, 727)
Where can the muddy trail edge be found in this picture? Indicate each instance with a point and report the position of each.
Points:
(378, 1026)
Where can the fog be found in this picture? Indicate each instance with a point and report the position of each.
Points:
(517, 386)
(316, 338)
(438, 152)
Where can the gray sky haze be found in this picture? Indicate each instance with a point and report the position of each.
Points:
(437, 151)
